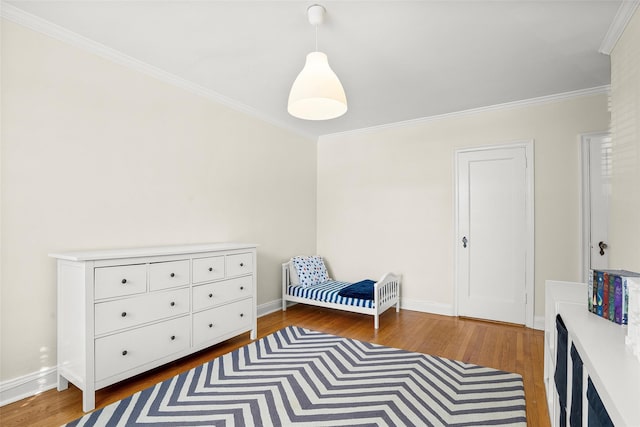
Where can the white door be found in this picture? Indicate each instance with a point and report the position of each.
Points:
(599, 197)
(493, 234)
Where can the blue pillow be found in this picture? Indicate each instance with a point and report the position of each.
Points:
(360, 290)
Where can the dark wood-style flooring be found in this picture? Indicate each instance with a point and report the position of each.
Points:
(505, 347)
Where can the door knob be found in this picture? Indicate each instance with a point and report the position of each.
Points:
(602, 246)
(464, 242)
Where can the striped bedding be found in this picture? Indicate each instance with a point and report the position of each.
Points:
(328, 292)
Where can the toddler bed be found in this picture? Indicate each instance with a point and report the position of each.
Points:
(305, 280)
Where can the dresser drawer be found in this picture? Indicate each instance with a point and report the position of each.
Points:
(120, 280)
(239, 264)
(120, 352)
(127, 312)
(163, 275)
(215, 322)
(207, 269)
(212, 294)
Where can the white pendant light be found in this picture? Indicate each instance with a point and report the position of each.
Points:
(317, 93)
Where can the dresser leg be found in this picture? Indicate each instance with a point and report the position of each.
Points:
(88, 400)
(63, 383)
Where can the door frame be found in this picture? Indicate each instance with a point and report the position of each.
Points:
(530, 224)
(585, 197)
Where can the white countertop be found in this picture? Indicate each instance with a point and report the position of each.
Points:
(614, 370)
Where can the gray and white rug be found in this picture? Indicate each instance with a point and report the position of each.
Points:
(301, 377)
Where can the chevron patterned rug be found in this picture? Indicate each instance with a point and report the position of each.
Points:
(301, 377)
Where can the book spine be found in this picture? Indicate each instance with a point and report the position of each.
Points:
(590, 291)
(599, 291)
(605, 296)
(618, 300)
(625, 301)
(594, 295)
(612, 297)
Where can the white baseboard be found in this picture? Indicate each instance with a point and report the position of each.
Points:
(269, 307)
(27, 385)
(447, 310)
(426, 306)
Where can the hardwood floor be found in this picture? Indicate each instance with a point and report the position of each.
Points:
(505, 347)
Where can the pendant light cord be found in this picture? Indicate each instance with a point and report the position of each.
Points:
(316, 37)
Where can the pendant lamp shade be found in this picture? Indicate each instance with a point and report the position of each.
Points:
(317, 93)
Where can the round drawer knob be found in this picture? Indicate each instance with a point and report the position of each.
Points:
(173, 337)
(241, 314)
(242, 288)
(124, 281)
(173, 275)
(210, 295)
(172, 303)
(242, 264)
(211, 325)
(210, 268)
(124, 314)
(124, 353)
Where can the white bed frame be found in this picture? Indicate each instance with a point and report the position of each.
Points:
(386, 294)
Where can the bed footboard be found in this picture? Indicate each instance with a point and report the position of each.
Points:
(386, 294)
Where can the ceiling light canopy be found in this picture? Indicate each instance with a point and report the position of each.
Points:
(317, 93)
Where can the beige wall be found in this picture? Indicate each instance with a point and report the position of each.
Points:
(385, 197)
(625, 120)
(97, 155)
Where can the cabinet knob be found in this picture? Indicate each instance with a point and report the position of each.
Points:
(242, 264)
(124, 281)
(211, 325)
(172, 303)
(210, 295)
(173, 275)
(242, 288)
(124, 314)
(210, 268)
(173, 337)
(241, 314)
(124, 353)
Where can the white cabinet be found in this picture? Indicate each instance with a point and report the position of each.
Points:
(610, 365)
(122, 312)
(556, 294)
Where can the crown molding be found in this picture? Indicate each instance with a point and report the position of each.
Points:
(623, 16)
(598, 90)
(20, 17)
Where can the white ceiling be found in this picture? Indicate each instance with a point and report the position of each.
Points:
(397, 60)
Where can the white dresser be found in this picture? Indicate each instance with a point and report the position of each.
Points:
(124, 311)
